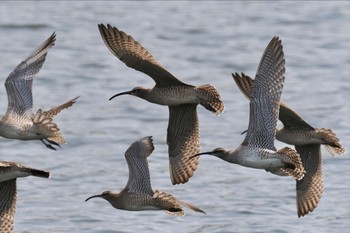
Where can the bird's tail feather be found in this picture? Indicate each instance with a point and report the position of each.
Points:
(168, 203)
(210, 98)
(294, 166)
(333, 145)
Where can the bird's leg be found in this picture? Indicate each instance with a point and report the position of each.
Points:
(47, 144)
(52, 142)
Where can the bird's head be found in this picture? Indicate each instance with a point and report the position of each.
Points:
(136, 91)
(107, 195)
(217, 152)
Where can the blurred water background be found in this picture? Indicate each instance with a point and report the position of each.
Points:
(199, 42)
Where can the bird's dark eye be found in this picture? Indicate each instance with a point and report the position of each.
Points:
(217, 150)
(105, 193)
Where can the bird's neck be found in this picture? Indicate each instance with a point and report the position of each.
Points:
(146, 94)
(112, 198)
(230, 155)
(152, 95)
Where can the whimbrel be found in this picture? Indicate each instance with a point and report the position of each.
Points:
(9, 172)
(258, 150)
(307, 141)
(182, 99)
(19, 122)
(138, 194)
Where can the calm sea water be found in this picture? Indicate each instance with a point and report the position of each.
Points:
(199, 42)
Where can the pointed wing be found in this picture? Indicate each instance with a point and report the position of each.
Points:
(54, 111)
(19, 82)
(183, 142)
(291, 119)
(310, 188)
(12, 170)
(265, 98)
(136, 157)
(7, 205)
(135, 56)
(244, 83)
(287, 116)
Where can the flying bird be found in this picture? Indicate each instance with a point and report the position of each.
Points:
(19, 121)
(307, 141)
(138, 194)
(183, 137)
(258, 149)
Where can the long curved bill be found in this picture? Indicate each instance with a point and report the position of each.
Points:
(121, 93)
(99, 195)
(199, 154)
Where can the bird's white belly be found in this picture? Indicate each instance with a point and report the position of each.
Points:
(262, 163)
(260, 158)
(22, 132)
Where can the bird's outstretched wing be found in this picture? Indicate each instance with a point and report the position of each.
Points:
(244, 83)
(183, 142)
(19, 82)
(310, 188)
(265, 97)
(8, 194)
(134, 55)
(136, 157)
(287, 116)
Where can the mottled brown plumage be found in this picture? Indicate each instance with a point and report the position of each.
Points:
(9, 172)
(310, 188)
(138, 194)
(8, 199)
(307, 141)
(258, 150)
(19, 122)
(295, 130)
(183, 131)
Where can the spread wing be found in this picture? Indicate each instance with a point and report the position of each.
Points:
(287, 116)
(134, 55)
(265, 97)
(136, 157)
(8, 194)
(244, 83)
(291, 119)
(54, 111)
(12, 170)
(310, 188)
(183, 142)
(19, 82)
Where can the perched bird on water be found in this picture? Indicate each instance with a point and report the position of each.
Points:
(181, 98)
(258, 150)
(19, 122)
(307, 141)
(9, 172)
(138, 194)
